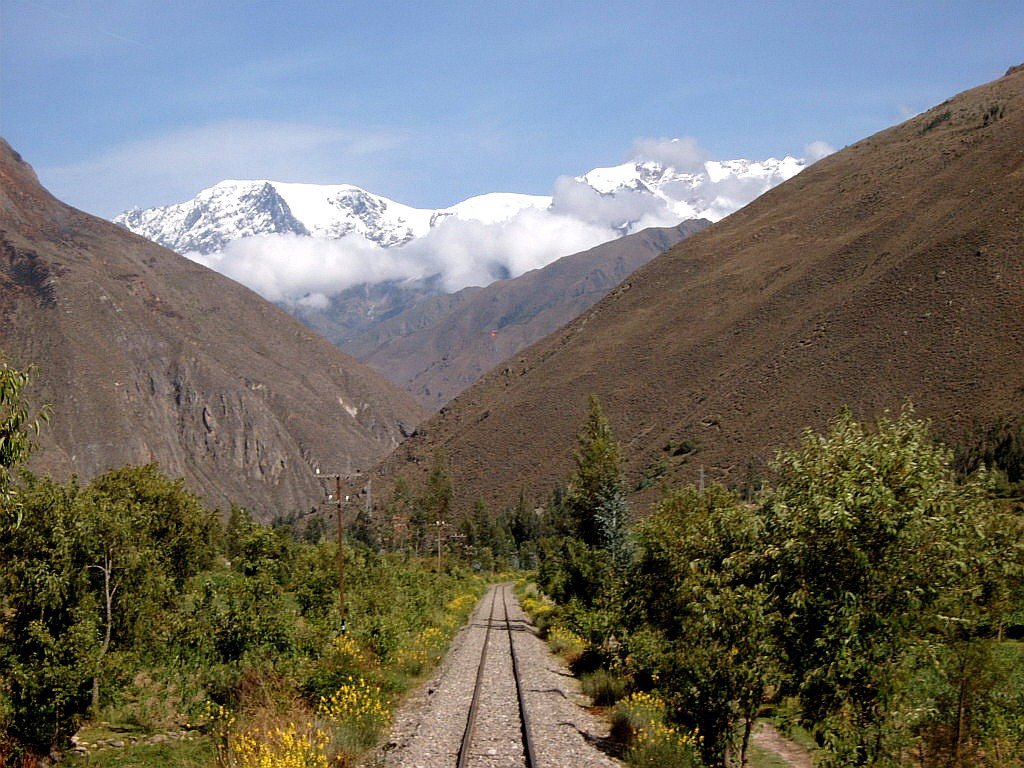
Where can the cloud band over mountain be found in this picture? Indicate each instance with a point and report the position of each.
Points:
(663, 182)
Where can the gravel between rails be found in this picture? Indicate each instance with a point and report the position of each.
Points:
(428, 727)
(498, 738)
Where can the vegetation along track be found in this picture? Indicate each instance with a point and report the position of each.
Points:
(499, 692)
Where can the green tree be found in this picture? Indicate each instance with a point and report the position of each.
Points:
(408, 520)
(869, 531)
(438, 493)
(256, 550)
(50, 623)
(703, 614)
(999, 448)
(185, 535)
(120, 568)
(434, 504)
(964, 672)
(596, 498)
(16, 425)
(88, 573)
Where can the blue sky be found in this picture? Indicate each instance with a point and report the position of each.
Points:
(127, 103)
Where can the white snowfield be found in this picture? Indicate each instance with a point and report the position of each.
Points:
(301, 244)
(236, 209)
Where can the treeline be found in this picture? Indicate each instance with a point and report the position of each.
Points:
(419, 521)
(125, 600)
(868, 596)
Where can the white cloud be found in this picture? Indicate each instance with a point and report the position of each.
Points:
(578, 200)
(174, 166)
(314, 301)
(683, 154)
(474, 253)
(905, 111)
(305, 271)
(817, 150)
(292, 268)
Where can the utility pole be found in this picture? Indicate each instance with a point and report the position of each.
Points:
(440, 525)
(339, 500)
(341, 553)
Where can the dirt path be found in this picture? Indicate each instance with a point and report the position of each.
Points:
(768, 738)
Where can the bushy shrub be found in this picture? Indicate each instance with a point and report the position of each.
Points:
(357, 713)
(639, 721)
(603, 687)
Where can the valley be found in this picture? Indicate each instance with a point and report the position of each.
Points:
(706, 464)
(392, 284)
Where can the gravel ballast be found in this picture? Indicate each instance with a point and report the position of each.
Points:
(429, 726)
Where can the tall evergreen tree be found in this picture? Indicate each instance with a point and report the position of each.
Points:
(436, 500)
(597, 491)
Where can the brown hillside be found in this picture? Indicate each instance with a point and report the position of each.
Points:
(146, 356)
(889, 271)
(440, 346)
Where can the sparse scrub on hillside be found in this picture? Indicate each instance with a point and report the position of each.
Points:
(937, 120)
(994, 113)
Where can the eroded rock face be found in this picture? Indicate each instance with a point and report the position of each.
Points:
(145, 356)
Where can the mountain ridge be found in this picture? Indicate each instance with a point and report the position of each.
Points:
(438, 347)
(890, 271)
(232, 210)
(146, 356)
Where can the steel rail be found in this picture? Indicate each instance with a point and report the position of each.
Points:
(531, 760)
(467, 735)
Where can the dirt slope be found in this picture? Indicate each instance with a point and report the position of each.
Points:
(146, 356)
(440, 346)
(891, 270)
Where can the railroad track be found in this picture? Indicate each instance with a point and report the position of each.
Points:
(497, 726)
(498, 700)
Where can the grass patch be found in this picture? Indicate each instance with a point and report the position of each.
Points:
(603, 687)
(763, 758)
(199, 753)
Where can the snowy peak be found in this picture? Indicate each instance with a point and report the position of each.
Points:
(496, 207)
(633, 177)
(228, 211)
(619, 199)
(333, 211)
(712, 191)
(232, 210)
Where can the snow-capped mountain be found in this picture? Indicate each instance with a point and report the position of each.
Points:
(233, 210)
(345, 260)
(712, 193)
